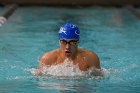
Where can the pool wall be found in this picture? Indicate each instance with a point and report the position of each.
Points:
(73, 2)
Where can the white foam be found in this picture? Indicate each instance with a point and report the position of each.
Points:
(64, 69)
(67, 69)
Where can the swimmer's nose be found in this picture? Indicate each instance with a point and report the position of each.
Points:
(67, 46)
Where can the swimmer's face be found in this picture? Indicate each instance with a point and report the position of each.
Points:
(69, 46)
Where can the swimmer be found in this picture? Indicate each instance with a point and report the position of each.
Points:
(69, 38)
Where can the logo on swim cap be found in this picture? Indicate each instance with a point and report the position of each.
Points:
(69, 31)
(62, 30)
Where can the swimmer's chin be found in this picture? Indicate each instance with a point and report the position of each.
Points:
(68, 55)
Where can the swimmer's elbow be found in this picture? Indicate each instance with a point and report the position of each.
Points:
(96, 65)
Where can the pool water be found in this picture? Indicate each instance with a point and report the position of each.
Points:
(113, 33)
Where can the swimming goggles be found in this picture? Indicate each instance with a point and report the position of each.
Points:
(71, 42)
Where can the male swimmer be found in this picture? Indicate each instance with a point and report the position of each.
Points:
(69, 36)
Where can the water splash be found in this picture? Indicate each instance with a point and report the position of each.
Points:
(64, 69)
(67, 69)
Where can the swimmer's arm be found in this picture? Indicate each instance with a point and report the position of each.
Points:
(97, 71)
(43, 61)
(39, 69)
(95, 63)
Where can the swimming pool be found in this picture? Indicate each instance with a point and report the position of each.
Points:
(113, 33)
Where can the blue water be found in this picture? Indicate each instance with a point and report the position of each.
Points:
(113, 33)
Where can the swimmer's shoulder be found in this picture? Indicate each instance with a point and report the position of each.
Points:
(91, 56)
(49, 56)
(85, 51)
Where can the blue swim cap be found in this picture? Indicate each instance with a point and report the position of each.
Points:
(69, 31)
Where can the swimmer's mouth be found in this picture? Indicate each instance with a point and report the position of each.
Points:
(67, 53)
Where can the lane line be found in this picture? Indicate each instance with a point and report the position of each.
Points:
(7, 13)
(133, 11)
